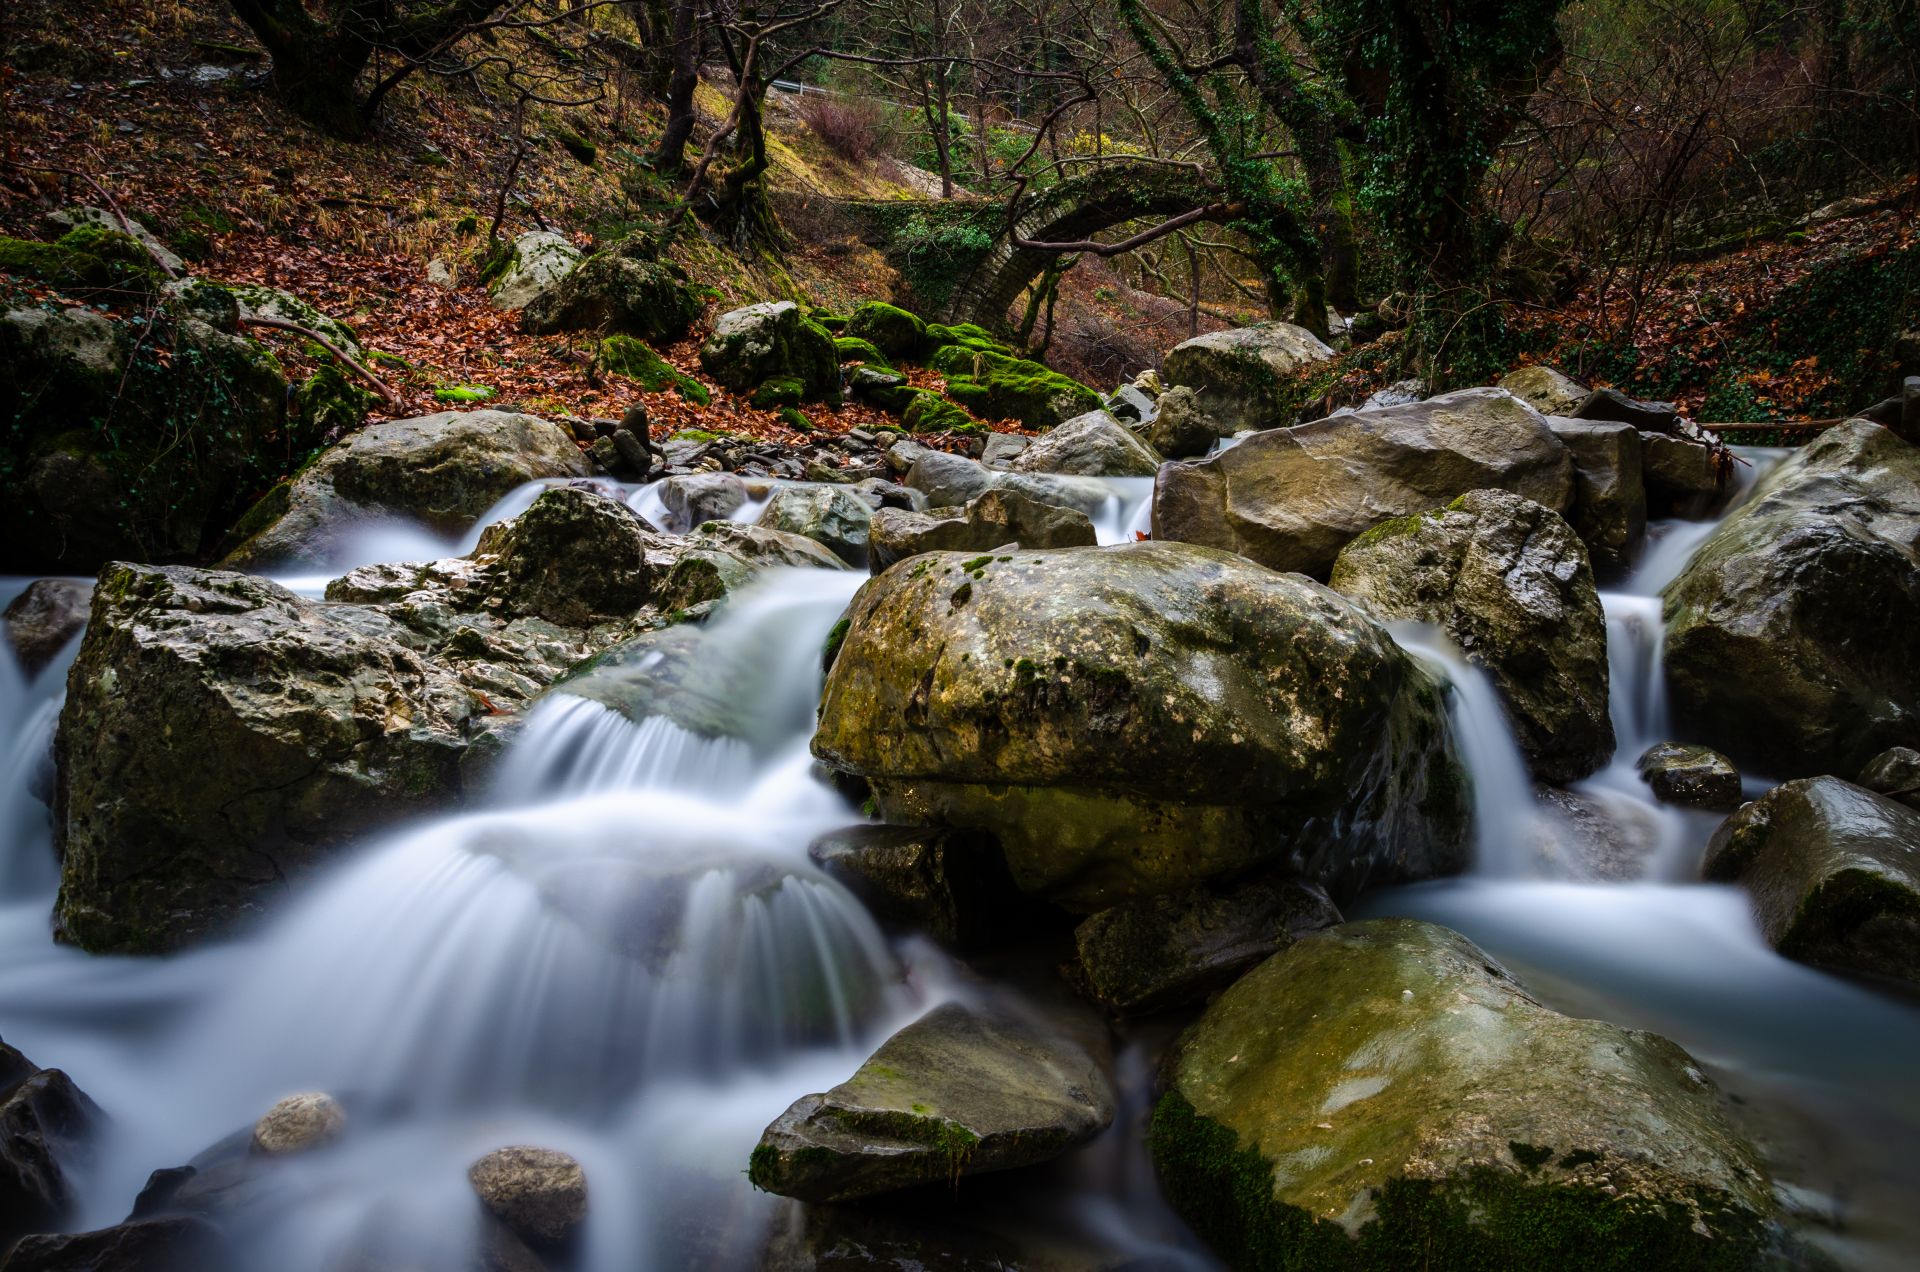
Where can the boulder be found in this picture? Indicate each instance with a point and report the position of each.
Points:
(1291, 498)
(719, 557)
(43, 618)
(1090, 445)
(1135, 719)
(1609, 510)
(1612, 404)
(1790, 634)
(950, 884)
(1696, 776)
(1182, 430)
(1834, 875)
(1399, 393)
(255, 300)
(993, 519)
(889, 328)
(951, 481)
(1546, 390)
(699, 498)
(1133, 405)
(770, 341)
(995, 385)
(174, 1243)
(1173, 950)
(1683, 477)
(44, 1120)
(1385, 1095)
(540, 1194)
(831, 516)
(298, 1123)
(442, 471)
(959, 1092)
(535, 264)
(1002, 449)
(1509, 583)
(72, 218)
(1895, 773)
(1238, 375)
(626, 290)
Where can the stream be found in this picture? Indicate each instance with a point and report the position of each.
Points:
(626, 954)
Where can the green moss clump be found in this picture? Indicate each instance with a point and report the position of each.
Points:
(88, 257)
(637, 361)
(835, 638)
(967, 335)
(928, 412)
(854, 349)
(796, 419)
(583, 151)
(779, 391)
(330, 404)
(895, 331)
(1037, 396)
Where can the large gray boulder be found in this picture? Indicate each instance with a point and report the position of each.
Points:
(993, 519)
(1090, 445)
(45, 1122)
(1182, 429)
(959, 1092)
(1135, 719)
(536, 263)
(1385, 1095)
(1546, 390)
(1609, 510)
(951, 481)
(1834, 874)
(770, 341)
(441, 470)
(1509, 583)
(1790, 634)
(1237, 376)
(1291, 498)
(831, 516)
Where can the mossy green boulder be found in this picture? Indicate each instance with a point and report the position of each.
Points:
(1790, 634)
(865, 352)
(998, 386)
(1384, 1096)
(1510, 584)
(1136, 719)
(532, 265)
(959, 1092)
(637, 361)
(771, 341)
(1834, 874)
(894, 331)
(627, 289)
(86, 259)
(927, 412)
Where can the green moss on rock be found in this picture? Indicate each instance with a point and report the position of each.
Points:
(637, 361)
(895, 331)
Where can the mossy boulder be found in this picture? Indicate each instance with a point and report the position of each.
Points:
(1509, 583)
(997, 387)
(968, 335)
(89, 258)
(992, 520)
(1291, 498)
(636, 360)
(532, 265)
(1383, 1095)
(441, 471)
(927, 412)
(959, 1092)
(1090, 445)
(1239, 376)
(1833, 871)
(626, 289)
(893, 330)
(256, 300)
(865, 352)
(1790, 634)
(888, 390)
(769, 341)
(1136, 719)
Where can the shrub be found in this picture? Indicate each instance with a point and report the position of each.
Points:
(856, 129)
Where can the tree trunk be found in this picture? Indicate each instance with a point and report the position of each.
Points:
(671, 154)
(315, 65)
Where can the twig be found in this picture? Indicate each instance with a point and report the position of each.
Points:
(281, 324)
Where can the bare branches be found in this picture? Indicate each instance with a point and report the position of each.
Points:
(353, 364)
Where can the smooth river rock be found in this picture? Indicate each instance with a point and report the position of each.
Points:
(42, 619)
(1291, 498)
(990, 520)
(45, 1120)
(1384, 1095)
(1238, 376)
(538, 1193)
(1609, 510)
(952, 481)
(1834, 873)
(1697, 776)
(1895, 773)
(1793, 635)
(1509, 583)
(1090, 445)
(1135, 719)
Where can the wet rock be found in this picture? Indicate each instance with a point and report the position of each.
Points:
(1237, 375)
(624, 290)
(43, 618)
(772, 341)
(720, 557)
(1696, 776)
(1509, 583)
(702, 497)
(1683, 477)
(1003, 448)
(167, 1244)
(831, 516)
(1789, 643)
(958, 1092)
(1090, 445)
(1834, 874)
(1169, 951)
(1596, 834)
(950, 884)
(44, 1120)
(950, 481)
(1612, 404)
(898, 1234)
(1894, 773)
(992, 520)
(574, 558)
(1135, 719)
(442, 470)
(1609, 510)
(298, 1123)
(1546, 390)
(1182, 430)
(1291, 498)
(540, 1194)
(1383, 1094)
(536, 263)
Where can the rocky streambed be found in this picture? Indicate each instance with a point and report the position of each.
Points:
(1284, 856)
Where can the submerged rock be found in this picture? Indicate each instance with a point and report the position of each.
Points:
(298, 1123)
(1609, 510)
(1090, 445)
(1508, 581)
(540, 1194)
(950, 884)
(1383, 1095)
(1894, 773)
(958, 1092)
(1238, 375)
(1834, 873)
(991, 520)
(43, 618)
(1696, 776)
(1171, 950)
(1135, 719)
(1291, 498)
(44, 1118)
(441, 470)
(1790, 634)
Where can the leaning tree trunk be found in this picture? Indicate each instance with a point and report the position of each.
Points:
(315, 65)
(670, 155)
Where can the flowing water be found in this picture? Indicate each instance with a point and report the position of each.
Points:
(626, 954)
